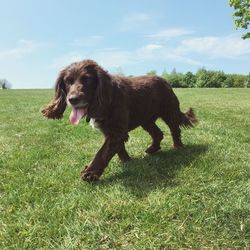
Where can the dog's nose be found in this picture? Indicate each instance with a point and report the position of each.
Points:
(74, 99)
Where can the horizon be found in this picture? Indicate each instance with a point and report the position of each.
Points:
(162, 74)
(129, 37)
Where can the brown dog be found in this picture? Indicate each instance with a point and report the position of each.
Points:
(117, 105)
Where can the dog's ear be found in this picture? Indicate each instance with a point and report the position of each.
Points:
(55, 109)
(104, 88)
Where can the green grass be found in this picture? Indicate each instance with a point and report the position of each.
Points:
(195, 198)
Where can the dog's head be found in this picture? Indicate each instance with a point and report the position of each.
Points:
(80, 86)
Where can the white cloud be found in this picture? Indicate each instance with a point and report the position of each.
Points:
(62, 61)
(151, 47)
(112, 58)
(135, 21)
(160, 53)
(150, 53)
(88, 40)
(23, 48)
(215, 47)
(155, 53)
(168, 33)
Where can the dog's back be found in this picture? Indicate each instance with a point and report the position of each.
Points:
(146, 98)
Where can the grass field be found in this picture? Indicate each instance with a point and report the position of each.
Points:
(195, 198)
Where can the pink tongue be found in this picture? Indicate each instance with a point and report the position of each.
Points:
(76, 115)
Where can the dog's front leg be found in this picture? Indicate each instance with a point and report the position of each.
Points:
(102, 158)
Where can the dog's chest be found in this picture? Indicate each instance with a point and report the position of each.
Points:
(94, 124)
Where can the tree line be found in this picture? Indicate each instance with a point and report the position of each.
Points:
(204, 78)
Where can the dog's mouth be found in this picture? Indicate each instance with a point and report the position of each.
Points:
(77, 114)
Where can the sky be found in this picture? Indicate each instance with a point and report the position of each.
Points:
(39, 38)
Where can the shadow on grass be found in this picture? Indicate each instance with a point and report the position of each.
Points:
(142, 175)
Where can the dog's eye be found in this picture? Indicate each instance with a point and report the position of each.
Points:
(87, 80)
(69, 80)
(84, 78)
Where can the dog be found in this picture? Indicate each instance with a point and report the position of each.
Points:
(117, 105)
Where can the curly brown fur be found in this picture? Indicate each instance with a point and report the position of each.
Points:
(55, 109)
(118, 105)
(188, 119)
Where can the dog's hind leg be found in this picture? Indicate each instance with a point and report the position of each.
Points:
(177, 120)
(174, 126)
(123, 154)
(156, 135)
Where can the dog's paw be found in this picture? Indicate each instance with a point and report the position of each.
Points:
(88, 175)
(124, 159)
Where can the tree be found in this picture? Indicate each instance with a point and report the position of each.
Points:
(241, 14)
(174, 72)
(164, 74)
(4, 84)
(229, 82)
(201, 78)
(239, 81)
(248, 81)
(189, 80)
(175, 79)
(210, 78)
(152, 73)
(218, 79)
(204, 79)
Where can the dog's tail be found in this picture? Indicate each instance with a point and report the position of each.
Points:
(188, 119)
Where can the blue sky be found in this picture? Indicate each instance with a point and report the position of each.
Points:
(38, 38)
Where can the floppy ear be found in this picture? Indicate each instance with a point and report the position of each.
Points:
(104, 88)
(55, 109)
